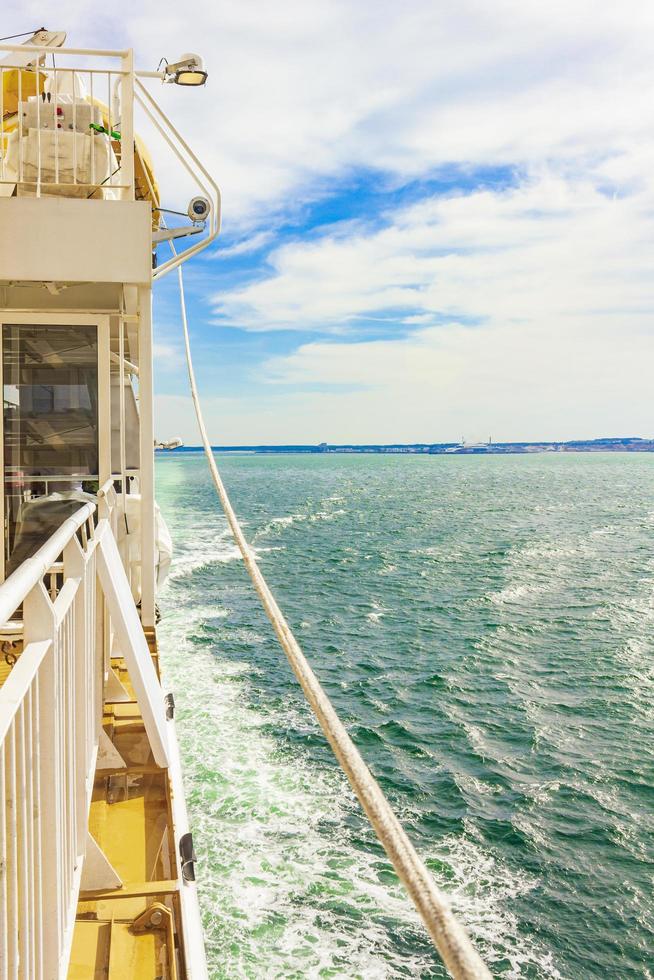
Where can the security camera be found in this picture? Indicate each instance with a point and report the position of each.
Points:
(199, 208)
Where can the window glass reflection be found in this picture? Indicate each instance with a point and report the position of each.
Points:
(50, 394)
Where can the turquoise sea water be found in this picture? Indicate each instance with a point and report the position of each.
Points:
(484, 626)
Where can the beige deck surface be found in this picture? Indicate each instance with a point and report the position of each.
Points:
(130, 818)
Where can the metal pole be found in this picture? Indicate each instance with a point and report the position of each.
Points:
(127, 128)
(146, 410)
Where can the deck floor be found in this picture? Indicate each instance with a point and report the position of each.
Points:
(130, 932)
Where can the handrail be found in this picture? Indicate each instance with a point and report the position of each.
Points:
(216, 213)
(45, 49)
(29, 572)
(106, 487)
(131, 368)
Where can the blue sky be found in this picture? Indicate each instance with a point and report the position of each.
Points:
(229, 357)
(437, 219)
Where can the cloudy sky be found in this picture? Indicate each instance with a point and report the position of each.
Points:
(438, 217)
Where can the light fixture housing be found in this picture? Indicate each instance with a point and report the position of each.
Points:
(189, 70)
(186, 77)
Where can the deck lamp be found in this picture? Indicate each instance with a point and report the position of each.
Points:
(189, 70)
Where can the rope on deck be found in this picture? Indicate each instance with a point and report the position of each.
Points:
(450, 938)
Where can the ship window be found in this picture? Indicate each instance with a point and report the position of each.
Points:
(50, 429)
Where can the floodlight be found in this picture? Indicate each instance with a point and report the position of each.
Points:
(189, 70)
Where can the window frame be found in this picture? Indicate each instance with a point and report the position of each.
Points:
(48, 319)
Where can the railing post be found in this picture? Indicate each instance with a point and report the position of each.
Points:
(84, 649)
(40, 624)
(146, 409)
(133, 645)
(127, 126)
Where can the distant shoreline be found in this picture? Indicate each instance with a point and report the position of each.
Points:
(615, 445)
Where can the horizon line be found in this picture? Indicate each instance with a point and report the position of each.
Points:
(602, 440)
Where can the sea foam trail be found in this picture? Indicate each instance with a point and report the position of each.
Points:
(281, 880)
(285, 889)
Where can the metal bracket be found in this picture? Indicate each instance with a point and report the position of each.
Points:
(108, 755)
(167, 234)
(97, 872)
(156, 916)
(188, 856)
(115, 691)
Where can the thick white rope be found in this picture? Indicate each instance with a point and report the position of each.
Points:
(449, 937)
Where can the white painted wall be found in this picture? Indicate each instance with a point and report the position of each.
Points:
(68, 240)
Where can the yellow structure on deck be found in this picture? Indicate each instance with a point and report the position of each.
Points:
(132, 931)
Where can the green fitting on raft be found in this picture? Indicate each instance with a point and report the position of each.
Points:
(100, 129)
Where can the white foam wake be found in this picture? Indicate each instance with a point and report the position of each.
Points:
(285, 890)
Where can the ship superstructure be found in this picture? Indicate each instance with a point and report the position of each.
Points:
(96, 860)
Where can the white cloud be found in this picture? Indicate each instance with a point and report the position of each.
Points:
(556, 276)
(301, 91)
(506, 381)
(550, 247)
(253, 243)
(164, 352)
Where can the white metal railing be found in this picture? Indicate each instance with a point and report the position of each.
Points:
(203, 179)
(68, 129)
(107, 503)
(50, 715)
(50, 719)
(112, 505)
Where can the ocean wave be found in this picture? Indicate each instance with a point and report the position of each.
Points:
(186, 563)
(326, 515)
(482, 891)
(278, 524)
(377, 612)
(221, 552)
(286, 521)
(516, 593)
